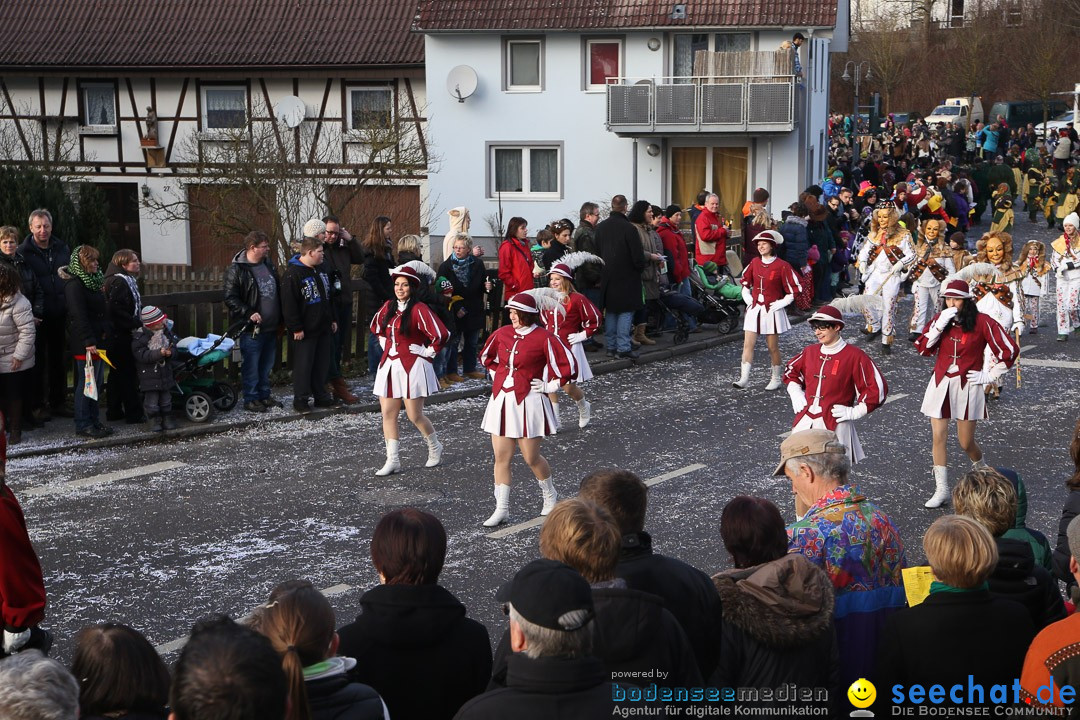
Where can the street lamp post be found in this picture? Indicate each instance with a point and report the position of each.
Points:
(858, 74)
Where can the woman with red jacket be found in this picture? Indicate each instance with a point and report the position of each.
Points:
(525, 362)
(673, 241)
(576, 324)
(515, 259)
(411, 335)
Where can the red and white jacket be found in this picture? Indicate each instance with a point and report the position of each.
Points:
(843, 375)
(523, 356)
(769, 283)
(423, 328)
(958, 352)
(580, 315)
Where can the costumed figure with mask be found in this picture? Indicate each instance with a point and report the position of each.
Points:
(1035, 281)
(882, 260)
(1066, 262)
(934, 263)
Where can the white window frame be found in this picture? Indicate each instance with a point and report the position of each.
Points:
(350, 89)
(526, 192)
(508, 69)
(91, 128)
(587, 61)
(204, 121)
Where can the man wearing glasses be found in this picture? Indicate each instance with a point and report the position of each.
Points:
(340, 252)
(252, 294)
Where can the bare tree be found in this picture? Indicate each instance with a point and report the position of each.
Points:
(50, 144)
(888, 51)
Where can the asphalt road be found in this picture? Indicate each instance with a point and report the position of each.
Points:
(159, 535)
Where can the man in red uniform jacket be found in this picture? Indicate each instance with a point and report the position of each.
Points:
(711, 243)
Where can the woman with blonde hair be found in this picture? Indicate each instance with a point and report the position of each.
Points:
(299, 623)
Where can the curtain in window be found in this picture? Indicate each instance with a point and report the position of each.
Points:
(525, 64)
(225, 108)
(100, 105)
(687, 174)
(685, 47)
(729, 180)
(508, 170)
(603, 62)
(371, 108)
(544, 170)
(732, 42)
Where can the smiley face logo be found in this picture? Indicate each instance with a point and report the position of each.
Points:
(862, 693)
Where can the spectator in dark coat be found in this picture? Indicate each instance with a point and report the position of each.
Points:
(687, 592)
(123, 302)
(86, 316)
(340, 252)
(587, 277)
(120, 675)
(378, 262)
(989, 498)
(960, 629)
(152, 347)
(309, 316)
(411, 627)
(46, 254)
(253, 296)
(465, 272)
(1070, 510)
(619, 245)
(796, 236)
(10, 255)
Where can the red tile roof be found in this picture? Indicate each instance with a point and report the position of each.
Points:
(131, 34)
(449, 15)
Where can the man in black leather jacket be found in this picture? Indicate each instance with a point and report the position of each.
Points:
(252, 294)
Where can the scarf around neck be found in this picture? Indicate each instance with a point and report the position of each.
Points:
(92, 281)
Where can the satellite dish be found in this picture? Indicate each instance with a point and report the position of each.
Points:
(290, 110)
(461, 82)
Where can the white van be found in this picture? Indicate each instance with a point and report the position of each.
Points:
(960, 111)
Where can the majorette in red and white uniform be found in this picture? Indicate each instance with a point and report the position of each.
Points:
(515, 358)
(950, 392)
(405, 369)
(581, 320)
(839, 376)
(769, 286)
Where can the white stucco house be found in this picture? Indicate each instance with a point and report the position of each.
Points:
(81, 82)
(579, 100)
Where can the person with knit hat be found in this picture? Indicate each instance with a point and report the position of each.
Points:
(411, 336)
(769, 286)
(1066, 262)
(526, 362)
(832, 384)
(959, 337)
(86, 316)
(153, 346)
(574, 327)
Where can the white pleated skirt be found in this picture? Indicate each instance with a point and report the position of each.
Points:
(948, 399)
(845, 433)
(584, 371)
(391, 380)
(505, 416)
(766, 322)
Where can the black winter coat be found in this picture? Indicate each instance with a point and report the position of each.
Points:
(241, 290)
(546, 688)
(130, 716)
(1061, 551)
(377, 273)
(1018, 578)
(45, 264)
(425, 293)
(688, 594)
(155, 372)
(619, 244)
(339, 698)
(338, 260)
(305, 299)
(31, 288)
(123, 315)
(86, 314)
(414, 645)
(472, 293)
(588, 275)
(796, 242)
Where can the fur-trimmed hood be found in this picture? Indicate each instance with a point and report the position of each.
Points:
(784, 603)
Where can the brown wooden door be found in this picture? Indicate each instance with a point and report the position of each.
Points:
(220, 216)
(358, 207)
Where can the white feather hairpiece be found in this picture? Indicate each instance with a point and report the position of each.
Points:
(547, 299)
(856, 304)
(419, 267)
(575, 260)
(967, 273)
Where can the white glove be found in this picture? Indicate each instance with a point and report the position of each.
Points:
(13, 641)
(897, 267)
(945, 318)
(847, 413)
(578, 337)
(798, 397)
(544, 387)
(782, 302)
(1018, 327)
(747, 297)
(382, 342)
(425, 351)
(978, 377)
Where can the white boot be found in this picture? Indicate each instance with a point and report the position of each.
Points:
(550, 496)
(558, 420)
(584, 413)
(774, 383)
(941, 487)
(979, 464)
(502, 506)
(744, 377)
(393, 461)
(434, 450)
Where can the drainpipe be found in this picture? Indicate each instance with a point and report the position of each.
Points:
(633, 171)
(768, 169)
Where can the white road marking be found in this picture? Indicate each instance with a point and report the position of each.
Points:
(103, 479)
(174, 645)
(1036, 362)
(1025, 348)
(538, 521)
(891, 398)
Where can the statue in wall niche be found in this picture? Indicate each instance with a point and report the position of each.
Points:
(151, 137)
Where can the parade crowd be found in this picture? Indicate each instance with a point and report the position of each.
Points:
(819, 602)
